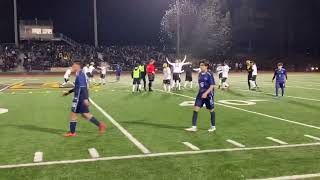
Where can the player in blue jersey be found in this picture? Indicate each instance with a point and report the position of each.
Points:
(205, 96)
(80, 103)
(280, 74)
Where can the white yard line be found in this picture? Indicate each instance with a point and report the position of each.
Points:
(5, 88)
(312, 137)
(295, 97)
(253, 112)
(156, 155)
(191, 146)
(38, 157)
(123, 130)
(277, 141)
(93, 153)
(235, 143)
(294, 177)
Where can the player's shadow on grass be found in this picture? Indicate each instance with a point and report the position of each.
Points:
(154, 125)
(37, 128)
(235, 93)
(306, 105)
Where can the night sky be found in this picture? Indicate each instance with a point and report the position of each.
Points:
(138, 21)
(119, 21)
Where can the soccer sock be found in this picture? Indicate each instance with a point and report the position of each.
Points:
(282, 91)
(169, 88)
(191, 84)
(179, 86)
(277, 91)
(73, 125)
(165, 87)
(213, 118)
(139, 87)
(194, 119)
(185, 84)
(133, 87)
(95, 121)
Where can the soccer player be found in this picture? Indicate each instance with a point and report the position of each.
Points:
(219, 72)
(151, 71)
(166, 77)
(280, 74)
(188, 79)
(80, 103)
(67, 75)
(225, 75)
(177, 70)
(143, 70)
(136, 76)
(250, 70)
(86, 71)
(253, 80)
(90, 72)
(103, 72)
(118, 72)
(205, 96)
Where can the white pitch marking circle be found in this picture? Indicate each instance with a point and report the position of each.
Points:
(2, 111)
(237, 102)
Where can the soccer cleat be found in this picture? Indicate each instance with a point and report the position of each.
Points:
(212, 129)
(192, 129)
(69, 134)
(102, 128)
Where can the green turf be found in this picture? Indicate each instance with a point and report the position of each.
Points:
(36, 122)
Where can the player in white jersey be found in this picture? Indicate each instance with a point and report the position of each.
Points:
(225, 75)
(253, 80)
(66, 77)
(219, 72)
(90, 72)
(166, 77)
(103, 72)
(177, 70)
(85, 70)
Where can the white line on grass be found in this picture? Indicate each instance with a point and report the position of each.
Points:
(93, 153)
(123, 130)
(277, 141)
(235, 143)
(295, 97)
(191, 146)
(294, 177)
(38, 157)
(156, 155)
(253, 112)
(312, 137)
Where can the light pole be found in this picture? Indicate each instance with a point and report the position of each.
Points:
(96, 43)
(15, 16)
(178, 28)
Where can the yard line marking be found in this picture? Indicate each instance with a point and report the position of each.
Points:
(93, 153)
(10, 85)
(253, 112)
(191, 146)
(277, 140)
(294, 177)
(235, 143)
(38, 157)
(165, 154)
(312, 137)
(295, 97)
(123, 130)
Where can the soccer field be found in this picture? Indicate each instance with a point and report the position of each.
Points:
(258, 135)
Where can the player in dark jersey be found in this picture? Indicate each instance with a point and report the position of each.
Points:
(250, 70)
(205, 96)
(80, 103)
(188, 80)
(280, 74)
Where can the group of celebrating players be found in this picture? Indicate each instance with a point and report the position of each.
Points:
(206, 82)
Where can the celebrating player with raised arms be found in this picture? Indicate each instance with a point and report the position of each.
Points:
(80, 103)
(177, 70)
(280, 74)
(205, 96)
